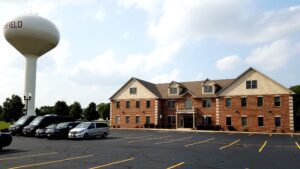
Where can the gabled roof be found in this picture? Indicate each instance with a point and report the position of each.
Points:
(208, 80)
(252, 69)
(150, 86)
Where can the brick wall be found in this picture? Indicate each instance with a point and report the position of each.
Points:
(252, 111)
(132, 112)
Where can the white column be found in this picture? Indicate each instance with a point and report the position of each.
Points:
(176, 119)
(110, 112)
(194, 120)
(30, 81)
(291, 113)
(156, 113)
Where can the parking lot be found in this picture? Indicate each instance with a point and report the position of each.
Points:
(156, 149)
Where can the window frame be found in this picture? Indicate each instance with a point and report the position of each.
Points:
(170, 119)
(246, 122)
(243, 104)
(277, 101)
(262, 101)
(127, 104)
(118, 105)
(208, 89)
(137, 119)
(206, 103)
(127, 119)
(148, 103)
(259, 122)
(171, 104)
(118, 119)
(132, 90)
(226, 99)
(251, 84)
(173, 90)
(227, 121)
(276, 123)
(148, 118)
(137, 104)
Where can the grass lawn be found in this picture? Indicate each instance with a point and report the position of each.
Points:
(4, 125)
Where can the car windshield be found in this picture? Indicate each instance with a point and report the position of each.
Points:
(51, 126)
(22, 120)
(37, 121)
(83, 125)
(62, 125)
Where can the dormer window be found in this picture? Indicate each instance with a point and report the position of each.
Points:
(208, 89)
(132, 90)
(173, 90)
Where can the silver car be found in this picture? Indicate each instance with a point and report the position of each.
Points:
(89, 129)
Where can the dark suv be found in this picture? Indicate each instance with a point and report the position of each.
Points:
(17, 128)
(5, 139)
(61, 130)
(44, 121)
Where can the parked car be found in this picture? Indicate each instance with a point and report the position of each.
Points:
(17, 128)
(61, 130)
(89, 129)
(5, 139)
(42, 131)
(41, 122)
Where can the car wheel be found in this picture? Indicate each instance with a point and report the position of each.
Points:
(86, 136)
(104, 135)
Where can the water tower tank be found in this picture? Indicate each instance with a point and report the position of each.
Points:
(32, 36)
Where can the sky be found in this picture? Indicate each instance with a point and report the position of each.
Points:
(103, 43)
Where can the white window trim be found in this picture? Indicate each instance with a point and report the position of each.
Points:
(169, 89)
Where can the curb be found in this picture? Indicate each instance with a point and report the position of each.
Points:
(205, 131)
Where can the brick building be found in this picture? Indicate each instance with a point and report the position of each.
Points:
(250, 102)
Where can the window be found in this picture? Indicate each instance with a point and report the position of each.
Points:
(243, 102)
(228, 121)
(260, 101)
(118, 104)
(137, 104)
(132, 90)
(251, 84)
(171, 104)
(277, 121)
(118, 118)
(127, 118)
(173, 90)
(148, 104)
(127, 104)
(147, 119)
(244, 122)
(137, 119)
(208, 89)
(228, 102)
(260, 121)
(207, 120)
(277, 101)
(171, 120)
(206, 103)
(188, 104)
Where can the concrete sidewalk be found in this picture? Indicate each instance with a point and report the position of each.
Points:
(204, 131)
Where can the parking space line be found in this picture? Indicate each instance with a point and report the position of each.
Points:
(250, 134)
(200, 142)
(50, 162)
(292, 135)
(109, 164)
(230, 134)
(176, 165)
(138, 137)
(297, 144)
(27, 156)
(169, 141)
(147, 139)
(270, 135)
(229, 144)
(262, 147)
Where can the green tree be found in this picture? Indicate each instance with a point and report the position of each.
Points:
(1, 113)
(90, 113)
(76, 110)
(61, 108)
(13, 108)
(43, 110)
(103, 110)
(296, 89)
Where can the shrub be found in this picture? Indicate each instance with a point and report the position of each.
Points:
(146, 125)
(217, 127)
(230, 128)
(151, 125)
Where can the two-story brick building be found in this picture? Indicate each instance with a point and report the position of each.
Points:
(251, 102)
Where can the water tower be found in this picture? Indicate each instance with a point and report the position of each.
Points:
(32, 36)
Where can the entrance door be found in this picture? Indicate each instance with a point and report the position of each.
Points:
(188, 121)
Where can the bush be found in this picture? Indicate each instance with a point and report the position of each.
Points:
(217, 127)
(246, 130)
(151, 125)
(146, 125)
(230, 128)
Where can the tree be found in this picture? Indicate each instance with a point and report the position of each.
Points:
(76, 110)
(90, 113)
(103, 110)
(296, 89)
(13, 108)
(1, 113)
(43, 110)
(61, 108)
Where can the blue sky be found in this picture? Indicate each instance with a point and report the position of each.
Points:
(104, 43)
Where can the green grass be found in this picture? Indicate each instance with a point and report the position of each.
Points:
(4, 125)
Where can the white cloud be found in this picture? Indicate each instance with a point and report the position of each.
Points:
(166, 77)
(273, 56)
(152, 7)
(100, 14)
(228, 62)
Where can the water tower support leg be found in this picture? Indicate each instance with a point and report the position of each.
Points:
(30, 80)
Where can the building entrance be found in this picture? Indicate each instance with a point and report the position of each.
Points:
(186, 121)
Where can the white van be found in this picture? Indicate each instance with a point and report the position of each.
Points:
(87, 130)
